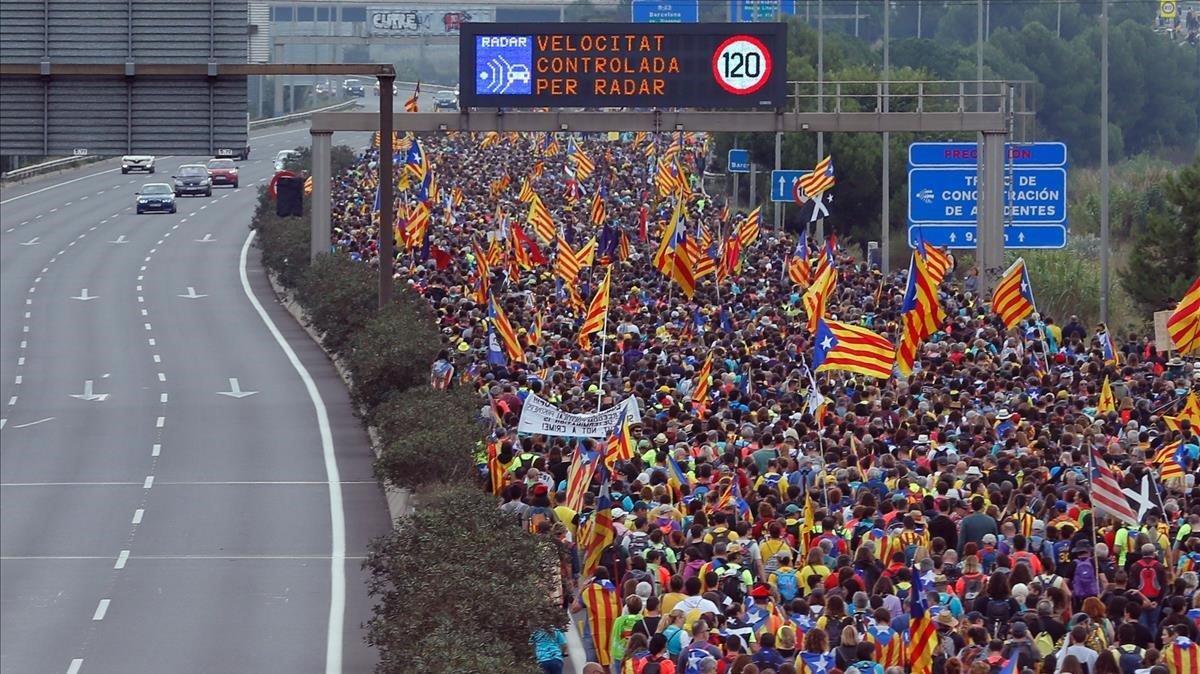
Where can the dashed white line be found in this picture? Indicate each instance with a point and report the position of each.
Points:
(152, 251)
(137, 516)
(160, 242)
(12, 401)
(28, 301)
(92, 228)
(24, 328)
(140, 277)
(28, 314)
(23, 343)
(155, 449)
(146, 260)
(149, 482)
(157, 359)
(162, 377)
(147, 326)
(145, 313)
(141, 299)
(139, 289)
(17, 379)
(21, 361)
(76, 663)
(121, 559)
(45, 269)
(151, 341)
(101, 609)
(162, 398)
(160, 422)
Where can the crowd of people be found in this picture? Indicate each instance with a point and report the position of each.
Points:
(750, 532)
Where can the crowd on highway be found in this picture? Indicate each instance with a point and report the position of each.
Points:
(940, 523)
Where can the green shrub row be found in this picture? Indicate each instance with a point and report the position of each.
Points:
(458, 586)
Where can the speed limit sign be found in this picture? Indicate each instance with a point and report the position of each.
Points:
(742, 64)
(1167, 9)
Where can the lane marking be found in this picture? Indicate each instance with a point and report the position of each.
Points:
(21, 361)
(337, 517)
(151, 341)
(17, 379)
(101, 609)
(156, 449)
(12, 401)
(149, 482)
(19, 558)
(162, 376)
(139, 289)
(210, 483)
(34, 423)
(145, 313)
(148, 326)
(160, 422)
(158, 359)
(141, 299)
(121, 559)
(137, 516)
(75, 665)
(162, 398)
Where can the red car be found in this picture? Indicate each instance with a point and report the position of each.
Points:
(223, 172)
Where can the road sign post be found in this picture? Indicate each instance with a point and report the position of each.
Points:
(944, 184)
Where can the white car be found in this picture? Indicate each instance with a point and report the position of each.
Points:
(137, 162)
(284, 157)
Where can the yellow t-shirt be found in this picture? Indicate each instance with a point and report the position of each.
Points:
(567, 517)
(669, 600)
(771, 547)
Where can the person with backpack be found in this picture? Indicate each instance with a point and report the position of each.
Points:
(1148, 576)
(1020, 646)
(833, 620)
(699, 649)
(785, 580)
(814, 572)
(657, 655)
(1086, 580)
(1128, 654)
(997, 605)
(972, 581)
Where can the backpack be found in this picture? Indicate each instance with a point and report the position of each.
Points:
(1084, 582)
(721, 537)
(692, 656)
(972, 588)
(731, 584)
(1146, 571)
(1044, 644)
(1129, 658)
(834, 627)
(786, 583)
(998, 612)
(639, 543)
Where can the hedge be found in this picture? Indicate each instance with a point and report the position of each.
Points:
(458, 586)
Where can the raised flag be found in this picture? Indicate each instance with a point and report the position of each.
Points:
(820, 179)
(584, 166)
(921, 314)
(1110, 353)
(596, 212)
(818, 294)
(1106, 492)
(623, 246)
(1190, 411)
(508, 336)
(1012, 300)
(938, 260)
(540, 220)
(587, 254)
(750, 228)
(579, 477)
(922, 633)
(620, 443)
(598, 532)
(677, 476)
(535, 331)
(526, 193)
(566, 263)
(411, 104)
(603, 606)
(1183, 325)
(597, 313)
(489, 139)
(850, 348)
(1107, 403)
(700, 390)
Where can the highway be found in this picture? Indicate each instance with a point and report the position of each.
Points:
(183, 486)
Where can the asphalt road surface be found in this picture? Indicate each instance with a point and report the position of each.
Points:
(183, 487)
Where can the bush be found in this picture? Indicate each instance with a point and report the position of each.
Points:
(339, 295)
(459, 587)
(393, 351)
(284, 243)
(431, 436)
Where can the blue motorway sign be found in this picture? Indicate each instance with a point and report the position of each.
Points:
(943, 194)
(503, 64)
(739, 161)
(666, 11)
(781, 184)
(1015, 236)
(748, 11)
(949, 196)
(965, 154)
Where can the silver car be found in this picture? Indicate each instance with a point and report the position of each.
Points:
(137, 162)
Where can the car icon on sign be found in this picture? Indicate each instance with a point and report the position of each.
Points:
(518, 72)
(926, 195)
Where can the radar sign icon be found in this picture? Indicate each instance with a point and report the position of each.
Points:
(503, 65)
(742, 64)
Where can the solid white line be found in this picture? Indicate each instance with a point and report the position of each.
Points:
(57, 185)
(337, 518)
(156, 449)
(34, 423)
(161, 422)
(137, 516)
(101, 609)
(121, 559)
(3, 422)
(77, 662)
(149, 482)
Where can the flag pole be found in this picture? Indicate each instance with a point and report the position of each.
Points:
(603, 345)
(1092, 515)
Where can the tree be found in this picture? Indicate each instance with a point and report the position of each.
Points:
(459, 587)
(1166, 255)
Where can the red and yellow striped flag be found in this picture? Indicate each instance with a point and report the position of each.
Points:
(508, 336)
(596, 212)
(1183, 325)
(1012, 300)
(540, 220)
(750, 228)
(566, 264)
(597, 313)
(700, 392)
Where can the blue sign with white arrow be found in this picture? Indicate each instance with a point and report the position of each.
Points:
(739, 161)
(782, 182)
(665, 11)
(943, 194)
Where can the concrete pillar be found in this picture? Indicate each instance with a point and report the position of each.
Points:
(386, 207)
(322, 144)
(278, 79)
(989, 239)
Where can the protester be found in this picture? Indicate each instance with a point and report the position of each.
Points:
(772, 515)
